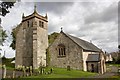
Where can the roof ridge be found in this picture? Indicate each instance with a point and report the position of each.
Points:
(82, 43)
(79, 38)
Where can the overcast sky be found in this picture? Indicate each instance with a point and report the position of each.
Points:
(91, 21)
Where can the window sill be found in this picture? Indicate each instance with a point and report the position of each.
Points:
(61, 56)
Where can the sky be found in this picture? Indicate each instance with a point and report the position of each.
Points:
(95, 21)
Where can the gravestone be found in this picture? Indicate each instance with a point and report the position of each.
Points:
(31, 70)
(14, 74)
(68, 68)
(24, 71)
(51, 70)
(4, 71)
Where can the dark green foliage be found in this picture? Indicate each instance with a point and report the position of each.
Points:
(14, 33)
(13, 41)
(7, 62)
(4, 7)
(114, 60)
(52, 37)
(13, 58)
(4, 35)
(118, 61)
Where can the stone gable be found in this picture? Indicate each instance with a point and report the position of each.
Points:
(73, 52)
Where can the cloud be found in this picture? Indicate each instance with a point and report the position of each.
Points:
(55, 7)
(108, 14)
(87, 20)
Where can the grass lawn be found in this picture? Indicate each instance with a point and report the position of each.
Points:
(63, 73)
(115, 77)
(118, 65)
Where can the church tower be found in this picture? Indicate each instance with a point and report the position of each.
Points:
(32, 40)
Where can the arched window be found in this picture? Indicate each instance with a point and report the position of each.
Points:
(61, 50)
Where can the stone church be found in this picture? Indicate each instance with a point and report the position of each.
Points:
(66, 50)
(76, 53)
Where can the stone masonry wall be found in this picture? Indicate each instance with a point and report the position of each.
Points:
(28, 55)
(40, 44)
(73, 54)
(19, 47)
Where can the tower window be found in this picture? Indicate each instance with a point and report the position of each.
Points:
(42, 24)
(61, 50)
(28, 24)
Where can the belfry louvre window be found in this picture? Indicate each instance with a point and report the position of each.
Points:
(28, 24)
(41, 24)
(61, 50)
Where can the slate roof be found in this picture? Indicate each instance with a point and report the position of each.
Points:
(93, 57)
(84, 44)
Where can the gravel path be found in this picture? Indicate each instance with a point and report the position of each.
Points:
(111, 71)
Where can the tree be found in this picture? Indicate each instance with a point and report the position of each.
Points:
(52, 37)
(13, 41)
(119, 47)
(5, 5)
(118, 59)
(3, 36)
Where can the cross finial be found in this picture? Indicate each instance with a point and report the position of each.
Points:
(23, 15)
(46, 15)
(61, 29)
(34, 7)
(90, 41)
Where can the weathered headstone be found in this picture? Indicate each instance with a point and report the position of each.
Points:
(27, 71)
(48, 72)
(14, 74)
(68, 68)
(4, 71)
(31, 70)
(38, 71)
(119, 70)
(24, 71)
(43, 71)
(51, 70)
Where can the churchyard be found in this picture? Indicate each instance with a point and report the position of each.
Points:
(9, 71)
